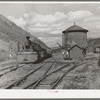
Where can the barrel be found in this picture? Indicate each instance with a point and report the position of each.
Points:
(27, 57)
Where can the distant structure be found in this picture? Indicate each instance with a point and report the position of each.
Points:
(74, 40)
(74, 35)
(97, 49)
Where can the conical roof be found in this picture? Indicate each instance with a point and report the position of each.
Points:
(75, 28)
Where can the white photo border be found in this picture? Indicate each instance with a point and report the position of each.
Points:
(44, 94)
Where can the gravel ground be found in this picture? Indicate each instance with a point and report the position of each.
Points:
(17, 74)
(86, 76)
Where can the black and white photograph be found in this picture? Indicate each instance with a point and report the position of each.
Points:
(50, 45)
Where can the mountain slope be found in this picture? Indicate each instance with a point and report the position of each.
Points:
(11, 34)
(93, 42)
(10, 31)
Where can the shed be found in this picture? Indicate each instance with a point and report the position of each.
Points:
(74, 35)
(97, 49)
(75, 52)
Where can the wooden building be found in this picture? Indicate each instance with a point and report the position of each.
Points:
(97, 49)
(74, 35)
(75, 52)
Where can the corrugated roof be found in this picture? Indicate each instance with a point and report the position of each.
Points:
(75, 28)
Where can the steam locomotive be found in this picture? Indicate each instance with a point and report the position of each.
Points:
(32, 52)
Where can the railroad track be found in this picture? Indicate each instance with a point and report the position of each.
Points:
(40, 82)
(66, 72)
(18, 82)
(9, 69)
(53, 84)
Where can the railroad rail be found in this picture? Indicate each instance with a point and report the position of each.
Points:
(16, 83)
(40, 79)
(6, 68)
(69, 70)
(35, 84)
(10, 69)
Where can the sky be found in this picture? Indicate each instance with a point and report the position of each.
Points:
(47, 20)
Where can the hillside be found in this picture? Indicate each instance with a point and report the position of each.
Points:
(11, 34)
(10, 31)
(93, 42)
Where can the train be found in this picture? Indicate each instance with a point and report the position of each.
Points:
(32, 52)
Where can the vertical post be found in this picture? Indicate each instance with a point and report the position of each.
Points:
(18, 50)
(18, 47)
